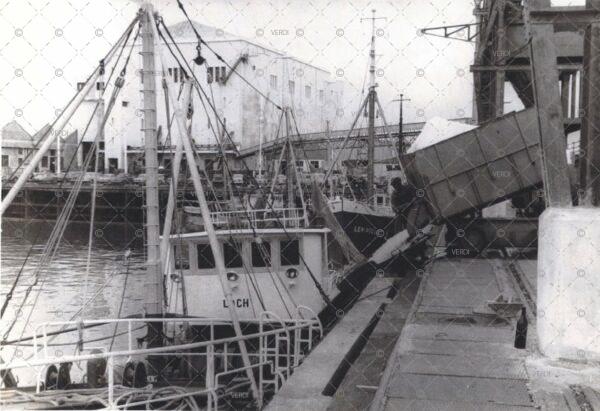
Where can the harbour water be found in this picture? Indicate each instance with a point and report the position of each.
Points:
(62, 287)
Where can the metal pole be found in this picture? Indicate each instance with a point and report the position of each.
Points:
(210, 230)
(401, 125)
(176, 162)
(387, 131)
(371, 135)
(154, 294)
(400, 137)
(291, 165)
(372, 96)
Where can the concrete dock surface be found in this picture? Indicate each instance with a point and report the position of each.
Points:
(454, 353)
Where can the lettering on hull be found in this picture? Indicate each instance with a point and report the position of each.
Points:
(238, 303)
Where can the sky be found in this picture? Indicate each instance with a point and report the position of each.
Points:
(47, 46)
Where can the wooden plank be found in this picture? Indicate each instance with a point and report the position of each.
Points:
(590, 133)
(550, 116)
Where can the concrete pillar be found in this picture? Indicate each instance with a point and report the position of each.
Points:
(568, 300)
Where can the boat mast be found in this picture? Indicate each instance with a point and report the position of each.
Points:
(371, 108)
(154, 295)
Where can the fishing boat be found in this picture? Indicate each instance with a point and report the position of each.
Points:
(365, 212)
(230, 310)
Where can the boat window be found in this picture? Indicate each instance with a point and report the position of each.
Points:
(182, 257)
(205, 256)
(232, 254)
(261, 254)
(290, 252)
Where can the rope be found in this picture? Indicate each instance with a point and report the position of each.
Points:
(121, 302)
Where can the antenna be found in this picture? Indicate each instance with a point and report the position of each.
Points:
(372, 53)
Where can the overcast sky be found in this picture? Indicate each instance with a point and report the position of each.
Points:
(47, 46)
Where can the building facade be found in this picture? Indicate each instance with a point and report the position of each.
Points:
(17, 144)
(249, 117)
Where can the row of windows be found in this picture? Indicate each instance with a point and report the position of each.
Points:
(216, 74)
(260, 255)
(178, 74)
(292, 88)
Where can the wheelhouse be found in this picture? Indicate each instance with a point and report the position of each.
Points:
(268, 269)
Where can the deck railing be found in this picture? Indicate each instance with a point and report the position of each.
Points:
(261, 218)
(282, 345)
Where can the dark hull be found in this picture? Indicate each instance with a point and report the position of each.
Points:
(367, 232)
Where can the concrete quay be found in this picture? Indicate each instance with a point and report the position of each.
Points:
(454, 353)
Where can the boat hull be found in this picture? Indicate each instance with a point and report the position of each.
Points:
(367, 232)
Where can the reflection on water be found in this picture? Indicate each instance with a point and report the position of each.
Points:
(61, 289)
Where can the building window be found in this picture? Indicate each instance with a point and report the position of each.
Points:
(321, 95)
(216, 74)
(292, 86)
(316, 163)
(4, 160)
(80, 86)
(273, 81)
(290, 252)
(261, 255)
(307, 91)
(205, 257)
(231, 254)
(20, 151)
(174, 72)
(44, 161)
(52, 153)
(125, 103)
(100, 85)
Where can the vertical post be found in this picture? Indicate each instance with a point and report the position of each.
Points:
(549, 112)
(400, 124)
(574, 96)
(58, 153)
(154, 292)
(111, 381)
(564, 92)
(400, 129)
(500, 57)
(371, 135)
(589, 177)
(291, 164)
